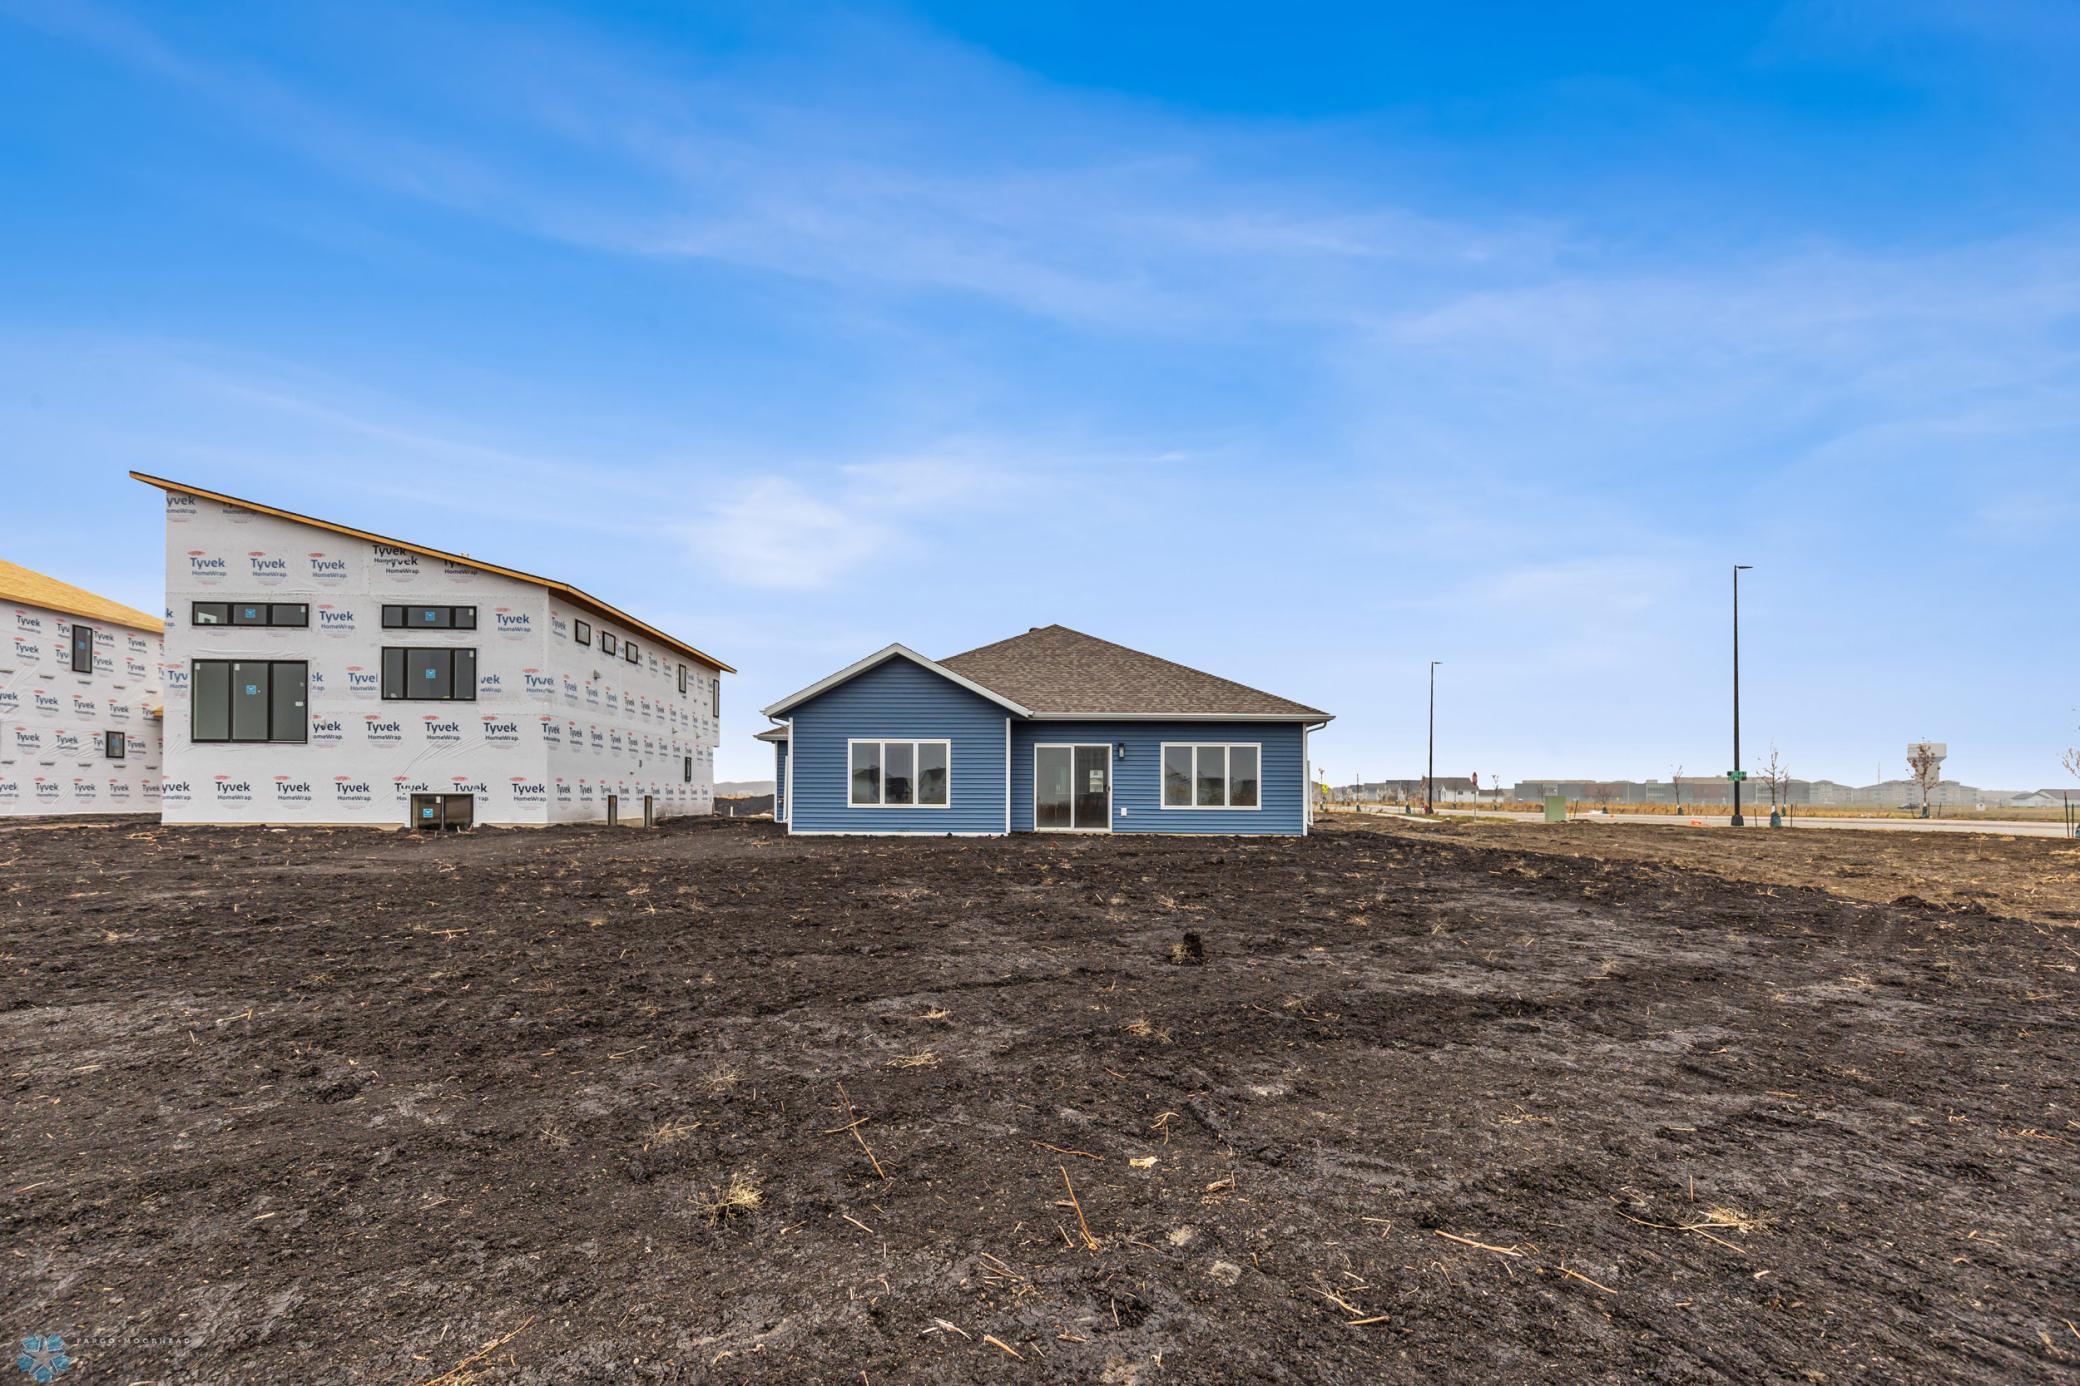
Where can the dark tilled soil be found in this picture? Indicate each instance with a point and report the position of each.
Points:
(307, 1106)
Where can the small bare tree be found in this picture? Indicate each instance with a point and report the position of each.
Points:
(1773, 771)
(1676, 777)
(1926, 765)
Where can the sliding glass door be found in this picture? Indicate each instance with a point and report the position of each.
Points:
(1072, 788)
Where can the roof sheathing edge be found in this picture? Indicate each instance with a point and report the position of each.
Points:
(582, 598)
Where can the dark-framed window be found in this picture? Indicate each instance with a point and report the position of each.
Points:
(421, 675)
(249, 700)
(429, 617)
(112, 745)
(82, 649)
(606, 642)
(294, 614)
(630, 653)
(581, 631)
(715, 697)
(682, 678)
(689, 770)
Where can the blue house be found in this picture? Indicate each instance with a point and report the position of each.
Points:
(1050, 731)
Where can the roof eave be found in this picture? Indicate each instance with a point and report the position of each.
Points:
(1317, 718)
(564, 589)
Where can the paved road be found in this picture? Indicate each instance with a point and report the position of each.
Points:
(1897, 825)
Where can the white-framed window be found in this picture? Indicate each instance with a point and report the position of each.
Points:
(1212, 775)
(899, 774)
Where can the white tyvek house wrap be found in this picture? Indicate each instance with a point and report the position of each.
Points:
(53, 722)
(554, 730)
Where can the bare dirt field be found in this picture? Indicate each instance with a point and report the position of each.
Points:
(1479, 1103)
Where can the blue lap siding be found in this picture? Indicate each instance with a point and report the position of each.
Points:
(1137, 779)
(780, 781)
(897, 699)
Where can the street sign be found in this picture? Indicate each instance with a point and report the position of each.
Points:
(1736, 774)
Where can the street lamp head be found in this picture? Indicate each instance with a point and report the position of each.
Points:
(1742, 567)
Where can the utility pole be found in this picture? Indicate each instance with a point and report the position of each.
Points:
(1430, 773)
(1738, 569)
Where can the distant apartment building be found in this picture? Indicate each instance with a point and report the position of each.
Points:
(317, 673)
(79, 700)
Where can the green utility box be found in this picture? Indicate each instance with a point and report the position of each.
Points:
(1556, 809)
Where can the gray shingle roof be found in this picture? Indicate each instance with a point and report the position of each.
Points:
(1052, 669)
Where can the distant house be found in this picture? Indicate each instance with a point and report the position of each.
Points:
(1050, 731)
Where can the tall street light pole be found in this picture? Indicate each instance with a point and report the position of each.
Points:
(1430, 775)
(1735, 777)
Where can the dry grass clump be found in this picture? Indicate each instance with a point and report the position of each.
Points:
(553, 1135)
(1141, 1027)
(734, 1199)
(937, 1015)
(720, 1079)
(1733, 1219)
(923, 1059)
(669, 1133)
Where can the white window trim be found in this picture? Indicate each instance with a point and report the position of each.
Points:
(1227, 780)
(1072, 747)
(911, 741)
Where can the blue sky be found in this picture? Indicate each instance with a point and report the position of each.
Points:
(1304, 344)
